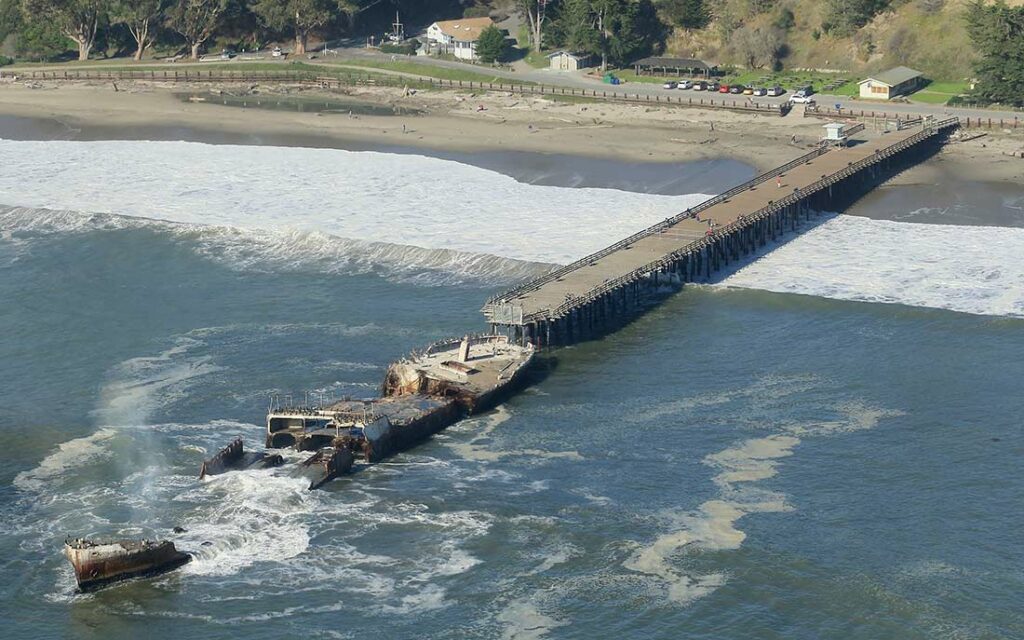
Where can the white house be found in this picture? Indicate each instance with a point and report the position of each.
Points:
(889, 84)
(458, 37)
(568, 61)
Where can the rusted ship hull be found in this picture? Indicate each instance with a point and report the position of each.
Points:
(234, 456)
(398, 438)
(99, 564)
(420, 396)
(327, 464)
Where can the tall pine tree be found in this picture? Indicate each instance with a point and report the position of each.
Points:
(997, 32)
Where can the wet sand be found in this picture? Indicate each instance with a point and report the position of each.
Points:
(460, 122)
(534, 140)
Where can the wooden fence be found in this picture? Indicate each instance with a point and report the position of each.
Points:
(377, 79)
(967, 122)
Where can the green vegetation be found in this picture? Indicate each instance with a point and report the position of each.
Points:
(617, 31)
(940, 92)
(492, 46)
(537, 59)
(855, 36)
(688, 14)
(419, 69)
(998, 33)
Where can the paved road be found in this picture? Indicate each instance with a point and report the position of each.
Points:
(579, 81)
(523, 72)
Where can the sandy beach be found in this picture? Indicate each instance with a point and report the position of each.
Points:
(468, 122)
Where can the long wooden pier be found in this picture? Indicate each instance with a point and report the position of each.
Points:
(602, 291)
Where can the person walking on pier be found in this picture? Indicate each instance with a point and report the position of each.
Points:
(778, 182)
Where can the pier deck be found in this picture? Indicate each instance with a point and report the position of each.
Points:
(692, 242)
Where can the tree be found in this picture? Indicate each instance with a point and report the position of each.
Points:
(491, 46)
(40, 40)
(303, 17)
(76, 19)
(617, 30)
(196, 20)
(688, 14)
(843, 17)
(536, 13)
(759, 46)
(141, 18)
(997, 32)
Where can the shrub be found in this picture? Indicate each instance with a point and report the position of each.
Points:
(4, 60)
(405, 49)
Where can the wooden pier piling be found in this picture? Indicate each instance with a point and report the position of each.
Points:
(603, 291)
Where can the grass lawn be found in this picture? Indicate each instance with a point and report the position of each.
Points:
(940, 92)
(629, 75)
(538, 59)
(419, 69)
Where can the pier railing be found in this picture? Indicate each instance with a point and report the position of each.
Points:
(323, 78)
(656, 228)
(968, 122)
(745, 220)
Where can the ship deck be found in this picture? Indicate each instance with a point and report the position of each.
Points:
(488, 366)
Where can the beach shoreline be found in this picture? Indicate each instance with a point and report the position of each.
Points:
(462, 122)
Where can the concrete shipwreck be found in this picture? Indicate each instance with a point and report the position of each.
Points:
(420, 395)
(100, 563)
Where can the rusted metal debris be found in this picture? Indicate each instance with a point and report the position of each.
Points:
(101, 563)
(234, 457)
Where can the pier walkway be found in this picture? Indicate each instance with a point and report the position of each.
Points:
(593, 295)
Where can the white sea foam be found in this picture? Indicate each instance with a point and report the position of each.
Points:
(69, 455)
(521, 620)
(139, 386)
(281, 208)
(712, 527)
(394, 198)
(970, 269)
(479, 447)
(287, 249)
(252, 517)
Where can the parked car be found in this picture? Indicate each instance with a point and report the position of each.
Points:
(760, 91)
(277, 52)
(776, 91)
(671, 84)
(736, 89)
(724, 88)
(804, 92)
(713, 86)
(799, 99)
(685, 84)
(700, 86)
(748, 91)
(227, 54)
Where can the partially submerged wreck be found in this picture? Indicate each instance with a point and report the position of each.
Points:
(421, 395)
(100, 563)
(234, 456)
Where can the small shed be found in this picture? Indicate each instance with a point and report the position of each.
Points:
(568, 60)
(679, 66)
(889, 84)
(834, 132)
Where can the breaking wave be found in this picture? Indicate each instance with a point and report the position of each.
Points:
(397, 199)
(291, 250)
(960, 268)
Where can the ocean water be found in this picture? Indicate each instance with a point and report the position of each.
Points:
(824, 443)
